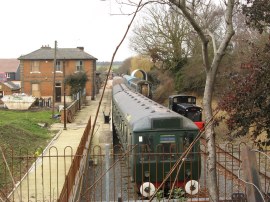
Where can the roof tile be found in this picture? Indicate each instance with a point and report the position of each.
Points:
(9, 65)
(47, 53)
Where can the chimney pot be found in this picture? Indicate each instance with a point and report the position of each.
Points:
(81, 48)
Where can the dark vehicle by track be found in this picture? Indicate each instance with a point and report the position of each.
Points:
(186, 106)
(159, 137)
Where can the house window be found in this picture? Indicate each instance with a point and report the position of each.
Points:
(7, 75)
(79, 65)
(35, 66)
(35, 90)
(58, 66)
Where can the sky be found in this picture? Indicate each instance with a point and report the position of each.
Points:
(27, 25)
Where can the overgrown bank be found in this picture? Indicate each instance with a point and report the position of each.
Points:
(25, 129)
(22, 133)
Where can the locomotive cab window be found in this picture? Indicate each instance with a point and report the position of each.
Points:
(191, 100)
(146, 146)
(185, 99)
(144, 90)
(167, 147)
(185, 142)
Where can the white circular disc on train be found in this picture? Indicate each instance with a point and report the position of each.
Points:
(147, 189)
(192, 187)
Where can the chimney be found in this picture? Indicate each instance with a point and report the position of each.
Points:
(44, 46)
(81, 48)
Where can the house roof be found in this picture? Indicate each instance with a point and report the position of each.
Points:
(9, 65)
(11, 85)
(47, 53)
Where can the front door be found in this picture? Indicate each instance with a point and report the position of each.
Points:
(58, 92)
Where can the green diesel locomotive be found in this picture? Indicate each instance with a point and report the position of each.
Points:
(156, 138)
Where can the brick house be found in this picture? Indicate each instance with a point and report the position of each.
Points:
(9, 77)
(8, 88)
(37, 71)
(9, 70)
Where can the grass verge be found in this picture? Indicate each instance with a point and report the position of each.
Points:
(22, 133)
(22, 129)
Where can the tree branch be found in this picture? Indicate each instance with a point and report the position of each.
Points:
(228, 35)
(181, 4)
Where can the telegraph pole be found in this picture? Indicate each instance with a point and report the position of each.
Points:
(65, 111)
(54, 67)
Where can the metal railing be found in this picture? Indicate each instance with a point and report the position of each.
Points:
(76, 165)
(50, 176)
(121, 173)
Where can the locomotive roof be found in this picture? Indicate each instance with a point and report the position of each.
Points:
(188, 105)
(143, 113)
(181, 95)
(132, 79)
(128, 77)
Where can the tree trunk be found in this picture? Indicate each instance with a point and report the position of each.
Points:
(211, 72)
(210, 138)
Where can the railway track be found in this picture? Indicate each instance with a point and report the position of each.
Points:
(120, 185)
(128, 188)
(227, 164)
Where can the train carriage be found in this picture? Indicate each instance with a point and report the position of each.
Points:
(160, 134)
(138, 85)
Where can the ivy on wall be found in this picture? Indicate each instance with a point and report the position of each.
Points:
(76, 82)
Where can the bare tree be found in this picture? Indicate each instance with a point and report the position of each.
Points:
(124, 67)
(162, 34)
(211, 67)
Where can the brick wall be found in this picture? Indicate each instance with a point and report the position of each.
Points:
(45, 76)
(6, 91)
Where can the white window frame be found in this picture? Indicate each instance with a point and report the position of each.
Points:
(79, 65)
(58, 66)
(7, 75)
(35, 67)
